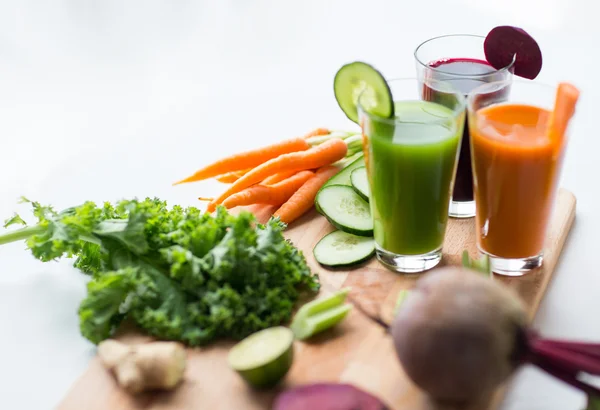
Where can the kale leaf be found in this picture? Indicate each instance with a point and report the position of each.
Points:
(177, 273)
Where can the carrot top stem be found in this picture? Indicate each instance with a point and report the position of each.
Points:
(316, 157)
(319, 139)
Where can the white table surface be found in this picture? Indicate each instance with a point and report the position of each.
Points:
(101, 100)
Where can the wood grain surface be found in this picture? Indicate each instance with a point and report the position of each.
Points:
(357, 351)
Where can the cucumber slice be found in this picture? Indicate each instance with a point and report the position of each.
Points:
(345, 209)
(320, 315)
(263, 358)
(360, 182)
(349, 83)
(340, 248)
(342, 177)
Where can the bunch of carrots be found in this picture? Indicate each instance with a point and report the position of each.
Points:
(287, 174)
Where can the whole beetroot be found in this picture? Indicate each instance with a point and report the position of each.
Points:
(459, 334)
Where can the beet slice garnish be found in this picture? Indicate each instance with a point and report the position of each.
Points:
(504, 42)
(327, 396)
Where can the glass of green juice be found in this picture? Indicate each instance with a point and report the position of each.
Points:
(411, 161)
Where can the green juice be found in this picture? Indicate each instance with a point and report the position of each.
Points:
(412, 163)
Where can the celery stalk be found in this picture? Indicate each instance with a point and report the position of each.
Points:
(321, 314)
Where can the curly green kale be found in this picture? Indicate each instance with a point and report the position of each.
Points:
(177, 273)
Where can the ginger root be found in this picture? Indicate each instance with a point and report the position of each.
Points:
(155, 365)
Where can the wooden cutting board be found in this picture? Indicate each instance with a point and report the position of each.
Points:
(357, 351)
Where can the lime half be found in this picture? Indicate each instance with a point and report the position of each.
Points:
(264, 358)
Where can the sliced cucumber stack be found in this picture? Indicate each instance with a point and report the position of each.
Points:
(340, 249)
(263, 358)
(343, 177)
(355, 78)
(360, 182)
(345, 209)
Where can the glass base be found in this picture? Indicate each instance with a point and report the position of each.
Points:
(514, 267)
(409, 263)
(462, 209)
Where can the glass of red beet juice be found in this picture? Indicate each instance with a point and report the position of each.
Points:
(460, 59)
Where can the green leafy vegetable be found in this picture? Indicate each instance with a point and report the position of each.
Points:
(177, 273)
(15, 220)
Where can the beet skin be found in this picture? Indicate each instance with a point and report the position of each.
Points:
(459, 334)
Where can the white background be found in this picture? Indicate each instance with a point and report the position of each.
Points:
(101, 100)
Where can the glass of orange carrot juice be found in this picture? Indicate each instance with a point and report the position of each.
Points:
(517, 150)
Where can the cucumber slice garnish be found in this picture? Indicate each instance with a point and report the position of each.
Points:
(354, 78)
(345, 209)
(320, 315)
(360, 182)
(340, 248)
(263, 358)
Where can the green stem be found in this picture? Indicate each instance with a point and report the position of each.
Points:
(401, 296)
(319, 139)
(593, 403)
(28, 231)
(91, 239)
(20, 234)
(349, 159)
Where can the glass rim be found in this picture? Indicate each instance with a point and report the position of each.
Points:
(435, 69)
(462, 101)
(477, 91)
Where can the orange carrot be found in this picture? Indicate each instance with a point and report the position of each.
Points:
(304, 198)
(231, 177)
(316, 157)
(316, 132)
(270, 195)
(273, 179)
(567, 96)
(249, 159)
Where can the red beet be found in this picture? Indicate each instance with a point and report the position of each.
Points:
(459, 335)
(503, 42)
(327, 396)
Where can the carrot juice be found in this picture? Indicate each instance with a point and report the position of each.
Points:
(516, 166)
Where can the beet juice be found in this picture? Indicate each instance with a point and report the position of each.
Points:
(468, 70)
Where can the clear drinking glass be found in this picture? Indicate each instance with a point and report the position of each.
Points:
(460, 60)
(516, 168)
(411, 163)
